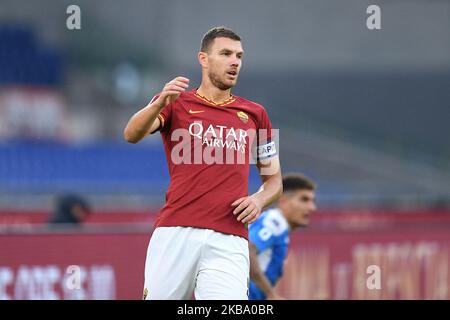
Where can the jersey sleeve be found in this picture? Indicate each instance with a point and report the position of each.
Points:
(266, 147)
(165, 116)
(261, 236)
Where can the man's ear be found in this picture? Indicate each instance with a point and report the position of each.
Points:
(203, 59)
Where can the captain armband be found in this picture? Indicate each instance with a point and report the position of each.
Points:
(267, 150)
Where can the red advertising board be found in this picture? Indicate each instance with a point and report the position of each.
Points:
(394, 264)
(390, 261)
(72, 266)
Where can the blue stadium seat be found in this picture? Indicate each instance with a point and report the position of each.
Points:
(23, 61)
(100, 167)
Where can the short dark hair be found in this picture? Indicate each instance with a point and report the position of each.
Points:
(297, 181)
(217, 32)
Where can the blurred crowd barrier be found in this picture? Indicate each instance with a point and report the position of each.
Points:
(332, 259)
(79, 265)
(410, 264)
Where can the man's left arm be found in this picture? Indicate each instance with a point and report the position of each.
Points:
(257, 275)
(250, 207)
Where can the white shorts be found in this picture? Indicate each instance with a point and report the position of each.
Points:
(184, 261)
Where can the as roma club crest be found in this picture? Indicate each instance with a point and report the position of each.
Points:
(243, 116)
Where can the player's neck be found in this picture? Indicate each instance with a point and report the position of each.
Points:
(283, 213)
(213, 93)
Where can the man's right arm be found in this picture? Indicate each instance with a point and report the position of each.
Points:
(143, 122)
(258, 276)
(146, 120)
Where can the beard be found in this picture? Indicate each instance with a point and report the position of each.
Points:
(217, 82)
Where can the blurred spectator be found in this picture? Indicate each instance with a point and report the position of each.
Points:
(70, 210)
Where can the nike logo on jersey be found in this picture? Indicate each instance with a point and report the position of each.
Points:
(195, 111)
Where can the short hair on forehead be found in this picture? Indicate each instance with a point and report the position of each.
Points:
(217, 32)
(297, 181)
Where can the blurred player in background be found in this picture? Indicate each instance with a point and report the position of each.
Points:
(199, 245)
(269, 235)
(71, 210)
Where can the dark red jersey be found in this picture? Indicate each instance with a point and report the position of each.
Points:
(209, 150)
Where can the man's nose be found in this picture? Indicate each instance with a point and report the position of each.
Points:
(235, 62)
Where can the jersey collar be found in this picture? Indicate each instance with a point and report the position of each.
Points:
(279, 214)
(231, 99)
